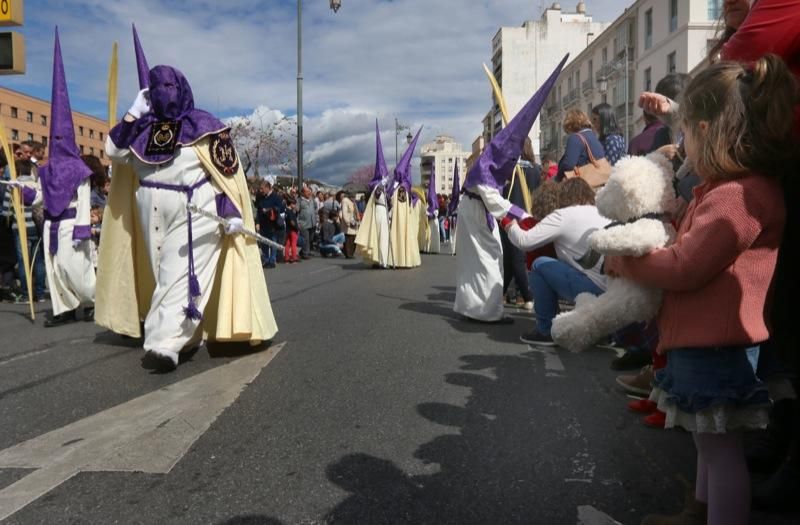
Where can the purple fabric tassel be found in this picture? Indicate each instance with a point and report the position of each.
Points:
(191, 312)
(194, 286)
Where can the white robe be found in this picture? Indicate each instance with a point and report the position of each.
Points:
(479, 262)
(70, 271)
(163, 220)
(434, 245)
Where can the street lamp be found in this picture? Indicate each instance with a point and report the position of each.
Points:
(602, 85)
(335, 5)
(397, 129)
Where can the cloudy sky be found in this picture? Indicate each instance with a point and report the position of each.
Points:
(416, 60)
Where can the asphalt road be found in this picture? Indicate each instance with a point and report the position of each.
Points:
(382, 407)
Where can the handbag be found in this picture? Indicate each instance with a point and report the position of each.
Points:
(595, 172)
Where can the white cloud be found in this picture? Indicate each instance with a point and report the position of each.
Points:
(418, 60)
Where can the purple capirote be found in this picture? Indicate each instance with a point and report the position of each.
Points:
(433, 200)
(402, 172)
(381, 171)
(455, 197)
(496, 164)
(65, 170)
(172, 100)
(141, 62)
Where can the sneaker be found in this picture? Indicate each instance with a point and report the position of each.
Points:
(657, 419)
(528, 306)
(642, 406)
(632, 360)
(639, 384)
(537, 338)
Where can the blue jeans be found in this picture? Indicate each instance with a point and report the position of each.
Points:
(551, 280)
(38, 265)
(268, 253)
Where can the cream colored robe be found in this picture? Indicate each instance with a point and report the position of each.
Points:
(372, 239)
(238, 308)
(404, 234)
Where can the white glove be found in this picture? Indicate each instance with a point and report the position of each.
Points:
(13, 183)
(235, 225)
(141, 106)
(76, 243)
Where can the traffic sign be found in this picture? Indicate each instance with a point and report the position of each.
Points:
(12, 53)
(12, 12)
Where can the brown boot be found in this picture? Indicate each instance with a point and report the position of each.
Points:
(694, 513)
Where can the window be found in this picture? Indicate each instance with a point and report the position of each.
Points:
(91, 151)
(81, 150)
(30, 136)
(648, 29)
(43, 120)
(14, 134)
(671, 63)
(589, 108)
(29, 116)
(578, 79)
(604, 98)
(648, 79)
(569, 84)
(101, 154)
(44, 141)
(80, 130)
(101, 135)
(605, 55)
(91, 133)
(591, 70)
(673, 15)
(13, 112)
(714, 9)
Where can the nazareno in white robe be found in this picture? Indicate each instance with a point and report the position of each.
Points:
(434, 245)
(163, 219)
(479, 261)
(70, 271)
(372, 239)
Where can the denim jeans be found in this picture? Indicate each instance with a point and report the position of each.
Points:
(38, 265)
(551, 280)
(268, 253)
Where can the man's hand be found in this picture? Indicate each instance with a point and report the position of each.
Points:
(141, 106)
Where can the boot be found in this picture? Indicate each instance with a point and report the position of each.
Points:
(768, 448)
(694, 513)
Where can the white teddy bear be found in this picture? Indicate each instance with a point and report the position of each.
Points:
(639, 197)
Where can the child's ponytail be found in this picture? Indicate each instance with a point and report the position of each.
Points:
(773, 93)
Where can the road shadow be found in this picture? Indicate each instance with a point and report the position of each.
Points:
(251, 519)
(495, 468)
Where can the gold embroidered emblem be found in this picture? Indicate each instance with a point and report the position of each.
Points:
(223, 153)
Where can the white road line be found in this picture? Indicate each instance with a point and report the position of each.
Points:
(148, 434)
(52, 346)
(588, 515)
(552, 363)
(326, 269)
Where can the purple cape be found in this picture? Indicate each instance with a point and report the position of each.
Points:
(65, 170)
(172, 101)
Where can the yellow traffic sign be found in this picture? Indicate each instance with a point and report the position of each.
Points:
(12, 53)
(12, 12)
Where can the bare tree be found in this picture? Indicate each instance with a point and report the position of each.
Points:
(264, 142)
(362, 175)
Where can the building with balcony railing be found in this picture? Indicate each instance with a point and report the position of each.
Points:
(648, 40)
(523, 57)
(443, 154)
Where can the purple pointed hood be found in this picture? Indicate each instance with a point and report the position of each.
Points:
(381, 171)
(452, 206)
(402, 172)
(496, 163)
(433, 200)
(172, 101)
(64, 170)
(141, 62)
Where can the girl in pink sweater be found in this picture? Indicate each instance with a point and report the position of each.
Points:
(737, 128)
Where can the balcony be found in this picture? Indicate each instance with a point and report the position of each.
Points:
(587, 85)
(570, 98)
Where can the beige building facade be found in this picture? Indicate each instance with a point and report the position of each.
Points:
(523, 57)
(443, 154)
(28, 118)
(649, 40)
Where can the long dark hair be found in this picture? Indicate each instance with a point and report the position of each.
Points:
(608, 120)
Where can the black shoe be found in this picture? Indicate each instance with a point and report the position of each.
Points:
(632, 360)
(60, 319)
(158, 362)
(537, 338)
(270, 265)
(779, 492)
(88, 314)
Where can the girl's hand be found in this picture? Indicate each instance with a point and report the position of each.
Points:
(654, 103)
(611, 266)
(669, 151)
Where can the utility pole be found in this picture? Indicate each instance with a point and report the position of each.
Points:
(299, 94)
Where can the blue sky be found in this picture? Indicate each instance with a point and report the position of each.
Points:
(417, 60)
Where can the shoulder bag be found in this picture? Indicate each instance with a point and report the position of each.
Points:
(595, 172)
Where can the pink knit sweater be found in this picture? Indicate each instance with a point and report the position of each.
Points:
(717, 275)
